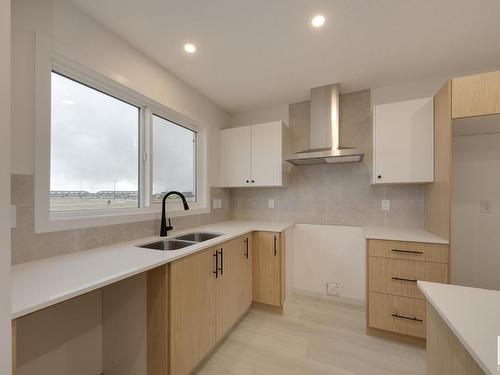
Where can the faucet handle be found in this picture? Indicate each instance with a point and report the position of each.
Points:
(169, 227)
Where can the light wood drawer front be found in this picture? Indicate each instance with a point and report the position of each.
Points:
(398, 277)
(397, 314)
(425, 252)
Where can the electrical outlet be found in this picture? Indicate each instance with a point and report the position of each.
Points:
(270, 203)
(485, 207)
(386, 205)
(219, 203)
(214, 203)
(332, 289)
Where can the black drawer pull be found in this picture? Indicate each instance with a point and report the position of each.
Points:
(274, 246)
(404, 279)
(415, 319)
(407, 251)
(216, 255)
(246, 248)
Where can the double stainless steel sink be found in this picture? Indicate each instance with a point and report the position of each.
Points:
(180, 242)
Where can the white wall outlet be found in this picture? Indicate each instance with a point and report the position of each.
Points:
(270, 203)
(332, 289)
(386, 204)
(485, 206)
(219, 203)
(214, 203)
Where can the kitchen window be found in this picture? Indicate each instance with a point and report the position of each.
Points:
(106, 154)
(174, 159)
(94, 149)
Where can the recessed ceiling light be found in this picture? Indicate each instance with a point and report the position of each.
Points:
(318, 21)
(67, 102)
(189, 48)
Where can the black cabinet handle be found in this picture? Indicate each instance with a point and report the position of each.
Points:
(221, 269)
(379, 176)
(253, 181)
(246, 248)
(274, 246)
(415, 319)
(216, 255)
(407, 251)
(248, 181)
(403, 279)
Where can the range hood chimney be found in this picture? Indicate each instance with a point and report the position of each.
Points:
(324, 131)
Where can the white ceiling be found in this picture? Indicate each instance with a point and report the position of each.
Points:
(254, 53)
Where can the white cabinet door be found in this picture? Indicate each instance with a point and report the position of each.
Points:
(267, 157)
(403, 142)
(235, 156)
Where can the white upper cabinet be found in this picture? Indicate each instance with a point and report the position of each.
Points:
(403, 142)
(253, 155)
(236, 156)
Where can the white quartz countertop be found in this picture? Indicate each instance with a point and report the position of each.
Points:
(42, 283)
(473, 315)
(400, 234)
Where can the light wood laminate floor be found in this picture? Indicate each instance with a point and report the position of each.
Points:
(312, 337)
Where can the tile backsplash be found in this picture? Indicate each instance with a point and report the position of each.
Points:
(339, 194)
(28, 245)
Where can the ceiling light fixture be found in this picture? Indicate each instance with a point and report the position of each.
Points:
(318, 21)
(189, 48)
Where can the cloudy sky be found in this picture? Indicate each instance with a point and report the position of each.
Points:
(95, 143)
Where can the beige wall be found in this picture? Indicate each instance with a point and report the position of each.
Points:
(260, 115)
(334, 194)
(475, 235)
(407, 90)
(63, 339)
(5, 324)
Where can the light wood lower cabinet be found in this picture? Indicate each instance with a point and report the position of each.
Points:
(193, 309)
(209, 292)
(268, 268)
(394, 302)
(232, 284)
(445, 353)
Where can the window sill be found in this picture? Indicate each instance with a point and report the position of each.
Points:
(59, 221)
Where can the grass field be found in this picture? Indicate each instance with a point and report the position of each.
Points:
(79, 204)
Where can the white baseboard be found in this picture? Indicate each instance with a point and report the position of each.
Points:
(340, 299)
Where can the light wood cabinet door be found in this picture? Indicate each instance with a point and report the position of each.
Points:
(267, 268)
(267, 154)
(235, 156)
(193, 293)
(234, 284)
(403, 142)
(476, 95)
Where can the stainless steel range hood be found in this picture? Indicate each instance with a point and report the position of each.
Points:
(324, 131)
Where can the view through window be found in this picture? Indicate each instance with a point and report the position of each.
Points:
(174, 159)
(94, 149)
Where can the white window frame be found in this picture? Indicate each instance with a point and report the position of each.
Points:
(48, 60)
